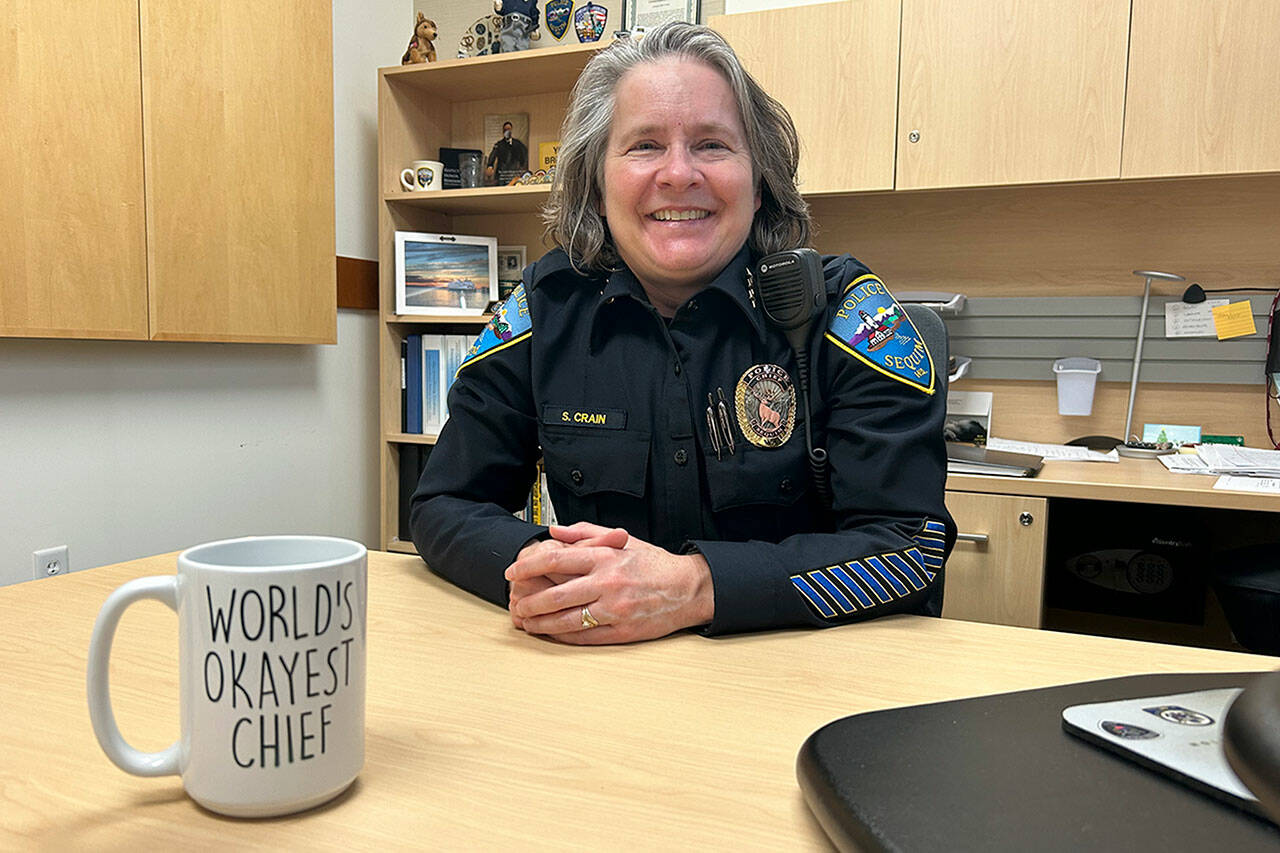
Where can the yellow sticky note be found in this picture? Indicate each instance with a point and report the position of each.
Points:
(1234, 320)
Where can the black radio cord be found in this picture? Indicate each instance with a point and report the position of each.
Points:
(817, 455)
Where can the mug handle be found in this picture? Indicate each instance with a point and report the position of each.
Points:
(406, 179)
(163, 588)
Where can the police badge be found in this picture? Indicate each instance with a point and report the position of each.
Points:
(766, 403)
(588, 22)
(557, 17)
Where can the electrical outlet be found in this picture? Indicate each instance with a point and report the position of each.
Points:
(48, 562)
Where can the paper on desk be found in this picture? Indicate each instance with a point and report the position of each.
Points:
(1052, 451)
(1184, 463)
(1190, 321)
(1246, 461)
(1269, 485)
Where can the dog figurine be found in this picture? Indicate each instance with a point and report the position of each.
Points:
(421, 48)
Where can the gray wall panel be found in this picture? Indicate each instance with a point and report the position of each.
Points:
(1019, 338)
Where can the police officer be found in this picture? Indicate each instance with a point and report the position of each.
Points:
(635, 360)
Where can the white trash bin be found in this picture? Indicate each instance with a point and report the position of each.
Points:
(1076, 380)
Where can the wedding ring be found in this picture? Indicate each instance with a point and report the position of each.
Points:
(588, 621)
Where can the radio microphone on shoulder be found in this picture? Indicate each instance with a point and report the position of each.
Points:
(792, 293)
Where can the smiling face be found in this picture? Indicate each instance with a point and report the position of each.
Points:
(679, 192)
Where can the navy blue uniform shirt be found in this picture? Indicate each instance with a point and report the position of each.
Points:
(585, 372)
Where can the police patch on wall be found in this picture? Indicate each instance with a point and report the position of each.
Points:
(766, 404)
(871, 326)
(510, 325)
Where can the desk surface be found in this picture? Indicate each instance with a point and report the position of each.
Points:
(1129, 480)
(481, 736)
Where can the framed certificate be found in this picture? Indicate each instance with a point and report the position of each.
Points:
(650, 13)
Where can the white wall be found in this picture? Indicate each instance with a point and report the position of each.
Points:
(122, 449)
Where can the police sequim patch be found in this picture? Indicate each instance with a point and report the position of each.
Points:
(510, 325)
(766, 403)
(871, 326)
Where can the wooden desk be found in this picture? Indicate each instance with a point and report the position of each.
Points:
(1002, 580)
(1129, 481)
(480, 736)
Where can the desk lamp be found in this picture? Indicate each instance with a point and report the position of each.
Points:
(1106, 442)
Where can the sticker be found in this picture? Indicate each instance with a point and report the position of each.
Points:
(510, 325)
(872, 327)
(1180, 715)
(588, 22)
(766, 404)
(1125, 731)
(557, 16)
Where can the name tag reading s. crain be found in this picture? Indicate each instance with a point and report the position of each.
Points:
(572, 416)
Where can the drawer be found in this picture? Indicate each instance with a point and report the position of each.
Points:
(996, 571)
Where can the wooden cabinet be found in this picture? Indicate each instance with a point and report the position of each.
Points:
(1204, 88)
(1009, 92)
(834, 67)
(999, 578)
(177, 184)
(239, 170)
(72, 246)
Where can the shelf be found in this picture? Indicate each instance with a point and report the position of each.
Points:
(525, 198)
(400, 547)
(438, 319)
(527, 72)
(409, 438)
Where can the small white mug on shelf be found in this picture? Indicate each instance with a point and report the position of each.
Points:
(271, 648)
(422, 175)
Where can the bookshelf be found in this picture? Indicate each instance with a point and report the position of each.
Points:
(422, 108)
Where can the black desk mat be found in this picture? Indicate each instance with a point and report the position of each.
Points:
(999, 773)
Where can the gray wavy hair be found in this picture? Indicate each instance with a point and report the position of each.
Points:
(572, 213)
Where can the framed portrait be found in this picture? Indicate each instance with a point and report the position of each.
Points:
(506, 136)
(511, 263)
(650, 13)
(451, 274)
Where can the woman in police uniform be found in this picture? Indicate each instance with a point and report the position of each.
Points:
(634, 359)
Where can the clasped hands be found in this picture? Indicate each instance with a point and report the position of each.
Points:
(634, 590)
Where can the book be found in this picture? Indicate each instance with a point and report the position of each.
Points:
(413, 385)
(411, 458)
(433, 367)
(404, 387)
(970, 459)
(456, 347)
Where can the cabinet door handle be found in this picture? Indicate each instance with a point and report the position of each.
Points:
(980, 538)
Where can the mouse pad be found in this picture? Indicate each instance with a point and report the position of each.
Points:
(999, 773)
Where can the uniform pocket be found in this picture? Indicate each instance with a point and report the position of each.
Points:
(586, 462)
(755, 476)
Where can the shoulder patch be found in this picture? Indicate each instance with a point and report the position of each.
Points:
(871, 326)
(509, 326)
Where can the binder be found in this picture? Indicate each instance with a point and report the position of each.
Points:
(413, 385)
(970, 459)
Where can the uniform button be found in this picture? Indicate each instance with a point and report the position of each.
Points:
(677, 368)
(576, 476)
(785, 485)
(681, 457)
(693, 305)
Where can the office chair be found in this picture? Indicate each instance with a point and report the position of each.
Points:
(934, 334)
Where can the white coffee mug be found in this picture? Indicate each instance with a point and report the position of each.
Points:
(271, 639)
(422, 175)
